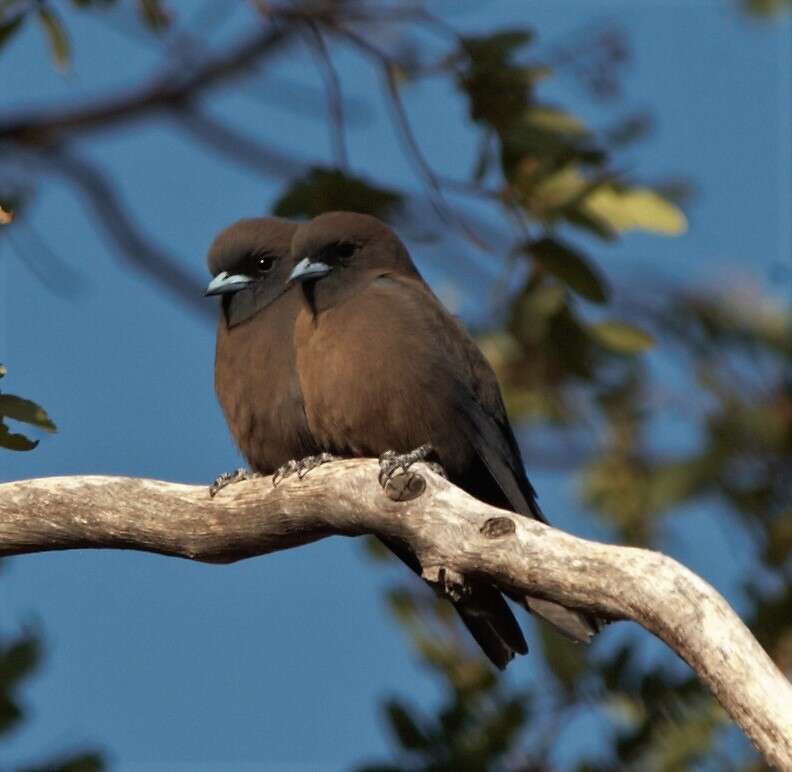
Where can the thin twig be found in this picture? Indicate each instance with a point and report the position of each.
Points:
(166, 91)
(136, 249)
(413, 148)
(335, 99)
(240, 148)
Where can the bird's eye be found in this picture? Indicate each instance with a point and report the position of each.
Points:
(344, 249)
(264, 264)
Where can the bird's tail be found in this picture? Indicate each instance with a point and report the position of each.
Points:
(490, 621)
(575, 625)
(484, 613)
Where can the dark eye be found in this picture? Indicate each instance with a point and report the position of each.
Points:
(264, 264)
(344, 249)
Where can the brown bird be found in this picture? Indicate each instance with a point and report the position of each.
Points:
(384, 367)
(257, 382)
(255, 374)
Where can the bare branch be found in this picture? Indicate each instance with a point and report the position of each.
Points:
(451, 533)
(249, 153)
(388, 70)
(335, 99)
(113, 215)
(165, 92)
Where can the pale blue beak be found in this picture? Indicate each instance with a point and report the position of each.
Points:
(305, 270)
(225, 282)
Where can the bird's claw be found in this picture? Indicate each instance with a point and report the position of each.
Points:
(229, 478)
(282, 472)
(301, 467)
(392, 463)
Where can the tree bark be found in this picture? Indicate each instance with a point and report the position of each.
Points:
(453, 536)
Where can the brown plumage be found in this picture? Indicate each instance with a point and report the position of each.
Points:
(255, 364)
(255, 376)
(383, 366)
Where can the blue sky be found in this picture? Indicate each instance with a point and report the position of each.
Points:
(280, 662)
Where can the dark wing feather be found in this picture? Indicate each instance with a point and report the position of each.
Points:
(495, 445)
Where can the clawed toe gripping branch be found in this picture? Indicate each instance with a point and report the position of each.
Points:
(301, 467)
(229, 478)
(453, 535)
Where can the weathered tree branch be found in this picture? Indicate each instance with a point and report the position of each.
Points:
(136, 249)
(166, 92)
(451, 533)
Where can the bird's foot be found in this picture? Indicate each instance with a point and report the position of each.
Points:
(302, 467)
(448, 583)
(229, 478)
(393, 463)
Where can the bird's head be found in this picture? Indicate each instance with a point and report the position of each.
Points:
(250, 265)
(335, 247)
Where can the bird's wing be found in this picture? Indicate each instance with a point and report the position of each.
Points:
(478, 402)
(483, 421)
(489, 431)
(494, 444)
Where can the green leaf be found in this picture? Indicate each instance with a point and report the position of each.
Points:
(14, 441)
(380, 768)
(577, 216)
(571, 267)
(621, 337)
(325, 190)
(767, 8)
(26, 411)
(497, 88)
(83, 762)
(58, 39)
(10, 712)
(155, 17)
(498, 46)
(18, 660)
(9, 28)
(627, 209)
(551, 192)
(402, 605)
(554, 120)
(375, 549)
(405, 727)
(566, 660)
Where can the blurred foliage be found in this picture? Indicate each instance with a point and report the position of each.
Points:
(571, 356)
(327, 190)
(25, 411)
(479, 722)
(767, 8)
(19, 658)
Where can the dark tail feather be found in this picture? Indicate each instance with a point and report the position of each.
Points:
(575, 625)
(490, 621)
(484, 612)
(498, 652)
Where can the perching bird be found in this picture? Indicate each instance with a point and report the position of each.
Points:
(384, 367)
(255, 375)
(257, 383)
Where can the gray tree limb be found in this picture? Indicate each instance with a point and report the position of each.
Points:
(166, 92)
(452, 534)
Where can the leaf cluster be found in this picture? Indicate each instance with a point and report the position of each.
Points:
(22, 410)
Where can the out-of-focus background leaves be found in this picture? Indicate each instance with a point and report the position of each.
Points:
(664, 394)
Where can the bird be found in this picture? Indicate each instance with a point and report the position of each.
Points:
(256, 378)
(384, 369)
(255, 373)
